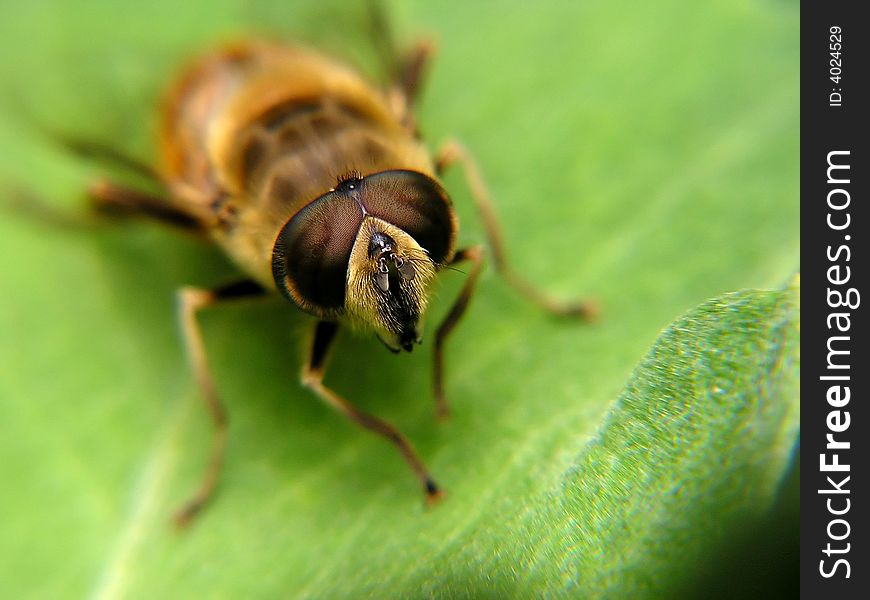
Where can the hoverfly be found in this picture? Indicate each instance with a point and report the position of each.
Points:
(316, 184)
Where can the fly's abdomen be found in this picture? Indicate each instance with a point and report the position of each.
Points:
(301, 149)
(298, 122)
(255, 133)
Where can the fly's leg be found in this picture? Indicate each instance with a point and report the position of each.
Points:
(405, 69)
(106, 154)
(452, 153)
(412, 68)
(107, 199)
(313, 372)
(474, 255)
(191, 301)
(120, 201)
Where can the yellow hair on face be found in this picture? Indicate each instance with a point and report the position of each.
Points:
(366, 304)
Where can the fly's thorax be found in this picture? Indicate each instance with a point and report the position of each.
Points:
(250, 135)
(297, 121)
(367, 251)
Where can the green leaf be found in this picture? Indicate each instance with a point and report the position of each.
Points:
(695, 447)
(646, 156)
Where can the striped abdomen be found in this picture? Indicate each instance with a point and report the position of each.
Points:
(255, 133)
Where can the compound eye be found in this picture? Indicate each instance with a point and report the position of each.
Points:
(311, 254)
(415, 203)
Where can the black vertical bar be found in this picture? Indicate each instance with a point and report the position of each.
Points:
(834, 228)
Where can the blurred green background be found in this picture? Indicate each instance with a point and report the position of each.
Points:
(642, 153)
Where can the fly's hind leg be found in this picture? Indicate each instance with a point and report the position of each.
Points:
(116, 200)
(406, 68)
(190, 301)
(107, 199)
(411, 69)
(452, 153)
(106, 154)
(312, 377)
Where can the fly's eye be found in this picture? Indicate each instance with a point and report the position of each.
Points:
(311, 254)
(416, 204)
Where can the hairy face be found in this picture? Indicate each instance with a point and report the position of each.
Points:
(368, 250)
(388, 283)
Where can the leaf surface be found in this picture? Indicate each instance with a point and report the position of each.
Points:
(643, 156)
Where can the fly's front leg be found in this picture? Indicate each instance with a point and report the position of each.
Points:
(453, 152)
(313, 372)
(474, 255)
(191, 301)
